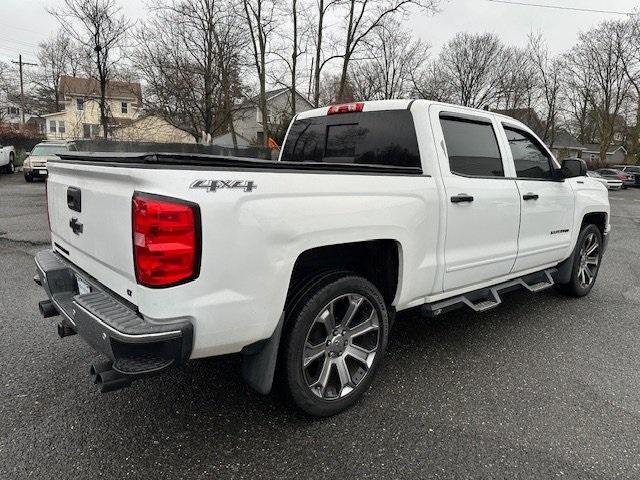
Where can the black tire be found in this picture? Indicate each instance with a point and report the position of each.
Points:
(11, 166)
(28, 177)
(576, 286)
(339, 291)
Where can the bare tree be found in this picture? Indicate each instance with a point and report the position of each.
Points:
(54, 55)
(518, 82)
(629, 44)
(391, 59)
(549, 81)
(261, 21)
(98, 26)
(429, 83)
(597, 63)
(318, 28)
(365, 16)
(189, 56)
(6, 86)
(473, 65)
(294, 37)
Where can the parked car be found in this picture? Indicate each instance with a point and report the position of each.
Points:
(626, 178)
(35, 165)
(632, 170)
(7, 159)
(610, 183)
(302, 263)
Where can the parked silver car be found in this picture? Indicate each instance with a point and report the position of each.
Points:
(35, 165)
(610, 183)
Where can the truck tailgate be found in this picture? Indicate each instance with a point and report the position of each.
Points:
(90, 217)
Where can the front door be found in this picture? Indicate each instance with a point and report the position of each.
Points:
(547, 203)
(483, 205)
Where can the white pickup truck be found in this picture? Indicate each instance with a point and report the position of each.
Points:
(7, 159)
(301, 264)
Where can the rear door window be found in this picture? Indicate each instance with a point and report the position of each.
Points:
(385, 138)
(472, 147)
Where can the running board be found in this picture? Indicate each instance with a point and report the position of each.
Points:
(487, 298)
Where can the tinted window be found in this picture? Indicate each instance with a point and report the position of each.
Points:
(472, 148)
(530, 160)
(364, 138)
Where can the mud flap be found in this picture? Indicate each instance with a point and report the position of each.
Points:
(259, 361)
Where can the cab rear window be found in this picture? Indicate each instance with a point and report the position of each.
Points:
(385, 138)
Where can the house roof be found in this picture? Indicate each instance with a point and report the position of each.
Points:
(564, 140)
(90, 87)
(595, 148)
(271, 94)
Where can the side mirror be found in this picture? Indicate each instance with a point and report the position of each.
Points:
(574, 167)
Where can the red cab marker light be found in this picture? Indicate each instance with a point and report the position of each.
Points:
(345, 108)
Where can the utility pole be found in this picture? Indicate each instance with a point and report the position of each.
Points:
(21, 63)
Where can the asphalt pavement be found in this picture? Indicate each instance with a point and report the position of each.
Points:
(543, 386)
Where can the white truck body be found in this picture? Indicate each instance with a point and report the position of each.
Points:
(7, 154)
(251, 240)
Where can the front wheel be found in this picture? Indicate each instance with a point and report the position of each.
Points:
(337, 339)
(586, 262)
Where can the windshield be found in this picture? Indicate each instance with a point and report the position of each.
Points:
(49, 150)
(593, 174)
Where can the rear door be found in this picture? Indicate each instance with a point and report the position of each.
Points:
(547, 201)
(482, 203)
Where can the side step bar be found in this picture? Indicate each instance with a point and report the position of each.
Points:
(487, 298)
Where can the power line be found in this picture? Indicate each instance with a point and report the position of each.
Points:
(17, 42)
(557, 7)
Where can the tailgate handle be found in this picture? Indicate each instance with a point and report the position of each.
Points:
(74, 199)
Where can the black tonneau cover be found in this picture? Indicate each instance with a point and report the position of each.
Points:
(205, 161)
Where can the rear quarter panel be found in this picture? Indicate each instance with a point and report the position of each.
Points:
(252, 240)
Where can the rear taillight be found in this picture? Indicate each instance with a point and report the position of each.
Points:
(345, 108)
(166, 240)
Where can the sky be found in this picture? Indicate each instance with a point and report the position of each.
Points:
(24, 23)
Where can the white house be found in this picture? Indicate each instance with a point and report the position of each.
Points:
(616, 154)
(80, 116)
(248, 120)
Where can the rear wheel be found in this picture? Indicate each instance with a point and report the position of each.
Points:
(337, 339)
(28, 177)
(586, 262)
(11, 166)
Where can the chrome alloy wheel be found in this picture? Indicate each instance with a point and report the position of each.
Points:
(589, 260)
(340, 346)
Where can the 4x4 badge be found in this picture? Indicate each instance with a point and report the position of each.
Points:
(215, 185)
